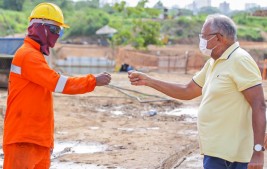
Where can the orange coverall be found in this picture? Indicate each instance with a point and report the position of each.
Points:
(29, 116)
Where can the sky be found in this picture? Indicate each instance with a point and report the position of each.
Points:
(234, 4)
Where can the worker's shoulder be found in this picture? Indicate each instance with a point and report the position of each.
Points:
(26, 51)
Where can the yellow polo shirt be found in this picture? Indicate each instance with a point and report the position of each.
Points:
(225, 117)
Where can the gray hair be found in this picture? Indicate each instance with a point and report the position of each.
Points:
(223, 25)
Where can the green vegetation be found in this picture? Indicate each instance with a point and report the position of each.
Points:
(250, 27)
(250, 34)
(88, 24)
(12, 22)
(139, 26)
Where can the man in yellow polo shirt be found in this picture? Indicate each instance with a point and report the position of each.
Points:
(231, 118)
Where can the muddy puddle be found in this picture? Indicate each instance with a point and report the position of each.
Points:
(189, 112)
(62, 148)
(140, 129)
(71, 165)
(75, 147)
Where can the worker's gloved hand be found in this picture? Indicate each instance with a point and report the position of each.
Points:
(103, 79)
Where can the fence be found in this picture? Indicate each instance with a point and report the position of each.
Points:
(85, 65)
(186, 61)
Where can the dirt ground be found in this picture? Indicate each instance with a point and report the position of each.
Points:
(134, 139)
(110, 128)
(121, 129)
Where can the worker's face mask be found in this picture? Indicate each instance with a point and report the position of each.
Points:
(203, 43)
(45, 35)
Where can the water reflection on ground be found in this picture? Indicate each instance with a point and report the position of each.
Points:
(84, 70)
(85, 65)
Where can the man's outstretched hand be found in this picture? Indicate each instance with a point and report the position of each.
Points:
(138, 78)
(103, 79)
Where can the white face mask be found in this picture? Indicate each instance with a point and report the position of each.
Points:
(203, 46)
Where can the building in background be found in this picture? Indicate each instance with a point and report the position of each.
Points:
(192, 6)
(198, 4)
(202, 3)
(224, 7)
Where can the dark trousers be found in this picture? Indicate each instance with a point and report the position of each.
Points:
(218, 163)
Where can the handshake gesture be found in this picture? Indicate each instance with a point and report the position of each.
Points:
(136, 78)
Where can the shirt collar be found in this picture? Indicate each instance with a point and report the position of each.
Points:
(229, 51)
(32, 43)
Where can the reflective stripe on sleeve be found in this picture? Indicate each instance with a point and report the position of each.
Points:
(15, 69)
(61, 84)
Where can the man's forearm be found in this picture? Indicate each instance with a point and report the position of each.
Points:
(259, 123)
(178, 91)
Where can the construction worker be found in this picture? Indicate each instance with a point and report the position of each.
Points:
(231, 115)
(29, 120)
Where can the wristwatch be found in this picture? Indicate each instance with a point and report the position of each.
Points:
(258, 147)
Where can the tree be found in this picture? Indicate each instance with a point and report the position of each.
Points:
(92, 19)
(67, 5)
(146, 33)
(184, 12)
(108, 8)
(88, 3)
(142, 31)
(159, 5)
(1, 3)
(13, 4)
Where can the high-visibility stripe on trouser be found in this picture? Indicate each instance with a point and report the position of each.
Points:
(15, 69)
(26, 155)
(61, 84)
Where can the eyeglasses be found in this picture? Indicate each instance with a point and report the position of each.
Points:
(201, 35)
(54, 29)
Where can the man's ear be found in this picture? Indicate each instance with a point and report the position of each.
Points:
(220, 37)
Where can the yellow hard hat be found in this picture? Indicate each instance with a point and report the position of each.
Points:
(48, 11)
